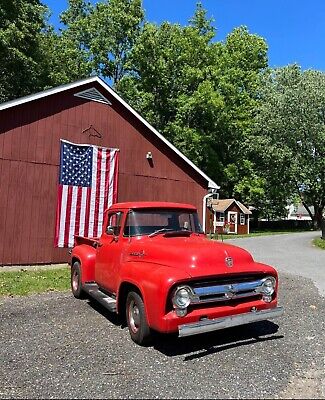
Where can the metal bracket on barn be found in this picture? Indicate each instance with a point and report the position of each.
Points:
(91, 131)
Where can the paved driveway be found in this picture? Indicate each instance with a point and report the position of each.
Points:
(290, 253)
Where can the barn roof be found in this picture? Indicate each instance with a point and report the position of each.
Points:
(224, 204)
(105, 86)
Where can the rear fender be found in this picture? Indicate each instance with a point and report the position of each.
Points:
(86, 255)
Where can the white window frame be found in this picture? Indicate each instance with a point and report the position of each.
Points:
(242, 219)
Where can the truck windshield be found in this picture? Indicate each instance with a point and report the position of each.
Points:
(152, 222)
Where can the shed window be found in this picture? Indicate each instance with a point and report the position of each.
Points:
(242, 219)
(222, 217)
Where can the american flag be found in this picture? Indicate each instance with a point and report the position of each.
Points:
(87, 186)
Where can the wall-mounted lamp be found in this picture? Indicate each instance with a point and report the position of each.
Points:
(149, 155)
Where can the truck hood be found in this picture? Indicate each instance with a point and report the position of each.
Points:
(195, 255)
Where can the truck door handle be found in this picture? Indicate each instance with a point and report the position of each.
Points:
(99, 244)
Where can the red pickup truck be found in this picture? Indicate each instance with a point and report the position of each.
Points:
(154, 266)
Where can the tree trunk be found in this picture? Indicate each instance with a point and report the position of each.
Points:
(318, 217)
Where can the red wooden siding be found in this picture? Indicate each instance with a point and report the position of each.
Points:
(29, 158)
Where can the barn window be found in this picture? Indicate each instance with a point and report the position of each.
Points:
(222, 217)
(242, 219)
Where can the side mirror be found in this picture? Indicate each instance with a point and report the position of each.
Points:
(110, 230)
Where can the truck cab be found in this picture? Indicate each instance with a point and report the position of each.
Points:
(155, 267)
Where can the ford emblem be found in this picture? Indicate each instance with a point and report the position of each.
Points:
(229, 262)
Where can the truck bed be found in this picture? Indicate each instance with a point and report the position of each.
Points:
(91, 241)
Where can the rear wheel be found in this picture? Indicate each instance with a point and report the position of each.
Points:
(76, 285)
(139, 329)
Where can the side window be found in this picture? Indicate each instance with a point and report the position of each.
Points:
(242, 219)
(114, 224)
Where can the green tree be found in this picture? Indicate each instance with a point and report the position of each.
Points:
(95, 40)
(21, 27)
(165, 62)
(114, 26)
(199, 93)
(289, 141)
(238, 64)
(67, 55)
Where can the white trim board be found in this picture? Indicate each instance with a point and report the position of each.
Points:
(105, 86)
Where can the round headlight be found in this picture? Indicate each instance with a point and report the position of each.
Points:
(268, 286)
(182, 297)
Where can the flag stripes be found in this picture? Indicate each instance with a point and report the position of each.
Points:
(80, 207)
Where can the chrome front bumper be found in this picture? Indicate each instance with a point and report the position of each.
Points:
(209, 325)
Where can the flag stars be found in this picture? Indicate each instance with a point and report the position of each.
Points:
(76, 165)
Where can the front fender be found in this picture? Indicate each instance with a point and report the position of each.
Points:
(86, 255)
(154, 282)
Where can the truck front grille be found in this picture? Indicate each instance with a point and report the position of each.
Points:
(222, 292)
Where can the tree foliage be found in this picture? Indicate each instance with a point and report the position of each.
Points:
(200, 93)
(95, 40)
(114, 27)
(21, 28)
(289, 142)
(67, 53)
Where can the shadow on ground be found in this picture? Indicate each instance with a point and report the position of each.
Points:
(203, 344)
(110, 316)
(215, 342)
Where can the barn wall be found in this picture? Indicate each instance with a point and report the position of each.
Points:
(29, 157)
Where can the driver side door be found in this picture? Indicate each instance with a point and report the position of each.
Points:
(109, 253)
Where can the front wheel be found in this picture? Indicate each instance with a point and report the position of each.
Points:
(136, 319)
(76, 285)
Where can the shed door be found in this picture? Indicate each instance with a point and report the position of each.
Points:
(233, 220)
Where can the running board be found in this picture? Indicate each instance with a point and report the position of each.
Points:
(105, 300)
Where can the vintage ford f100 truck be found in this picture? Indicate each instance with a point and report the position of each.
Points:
(155, 267)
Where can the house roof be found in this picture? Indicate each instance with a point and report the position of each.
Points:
(223, 204)
(107, 88)
(301, 210)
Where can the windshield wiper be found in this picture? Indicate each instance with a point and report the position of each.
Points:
(171, 232)
(182, 232)
(163, 230)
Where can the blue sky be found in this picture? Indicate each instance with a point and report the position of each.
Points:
(293, 29)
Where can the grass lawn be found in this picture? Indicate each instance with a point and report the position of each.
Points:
(319, 242)
(21, 283)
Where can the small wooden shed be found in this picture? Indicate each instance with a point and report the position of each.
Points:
(229, 216)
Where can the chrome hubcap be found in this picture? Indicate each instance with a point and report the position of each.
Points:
(75, 281)
(134, 316)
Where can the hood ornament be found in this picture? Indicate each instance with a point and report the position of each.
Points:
(229, 262)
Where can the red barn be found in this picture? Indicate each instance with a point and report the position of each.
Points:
(87, 111)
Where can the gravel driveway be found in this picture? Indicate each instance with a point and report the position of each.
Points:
(53, 346)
